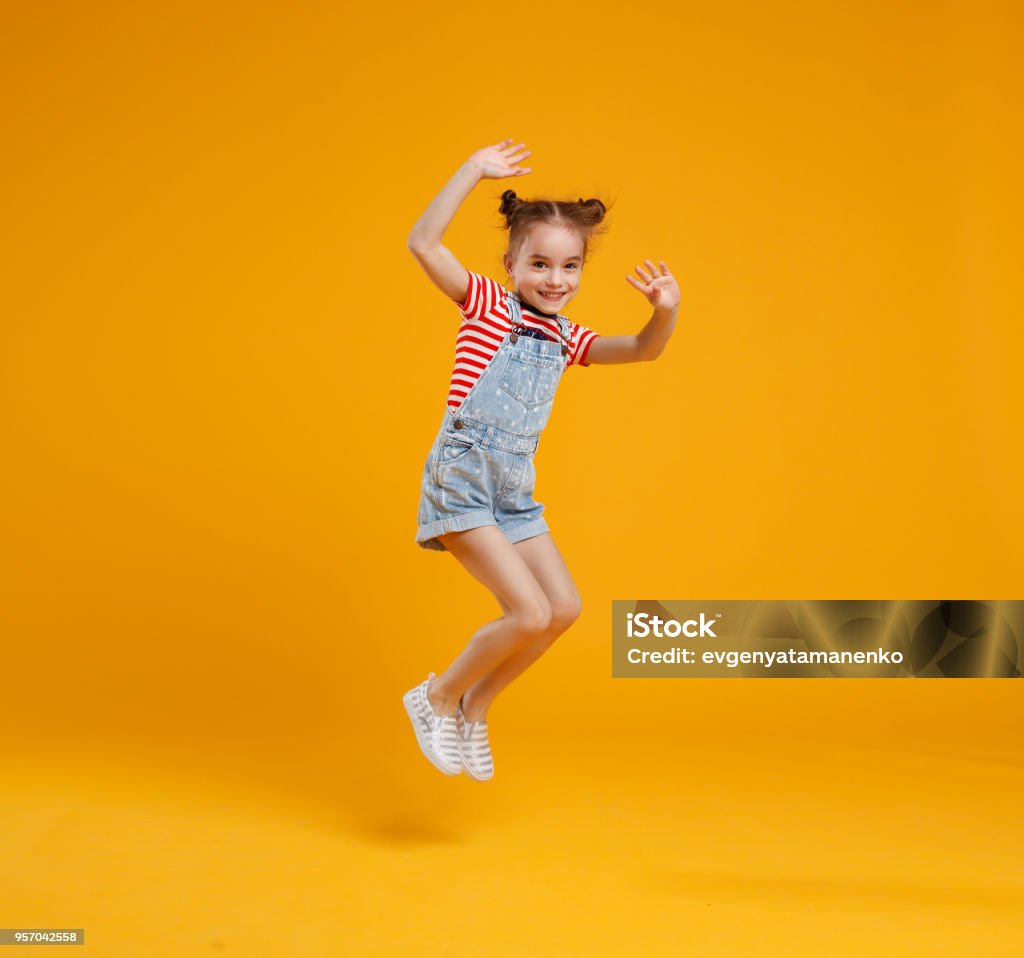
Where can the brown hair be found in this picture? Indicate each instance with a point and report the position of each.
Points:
(584, 216)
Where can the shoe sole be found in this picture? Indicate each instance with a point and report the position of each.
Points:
(424, 748)
(476, 778)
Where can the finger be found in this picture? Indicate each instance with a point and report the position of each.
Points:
(512, 149)
(664, 267)
(503, 144)
(518, 157)
(644, 274)
(651, 267)
(523, 170)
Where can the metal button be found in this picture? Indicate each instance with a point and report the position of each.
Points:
(459, 424)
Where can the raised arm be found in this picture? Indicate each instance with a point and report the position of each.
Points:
(439, 263)
(662, 292)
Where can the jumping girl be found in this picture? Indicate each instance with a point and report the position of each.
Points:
(477, 491)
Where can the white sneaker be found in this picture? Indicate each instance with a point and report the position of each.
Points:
(474, 748)
(436, 734)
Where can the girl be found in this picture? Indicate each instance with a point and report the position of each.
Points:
(477, 489)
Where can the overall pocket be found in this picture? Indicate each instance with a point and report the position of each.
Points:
(450, 450)
(453, 448)
(530, 379)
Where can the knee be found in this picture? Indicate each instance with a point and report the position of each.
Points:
(533, 618)
(563, 613)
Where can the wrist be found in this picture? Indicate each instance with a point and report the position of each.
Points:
(471, 170)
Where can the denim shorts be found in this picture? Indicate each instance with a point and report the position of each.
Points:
(478, 475)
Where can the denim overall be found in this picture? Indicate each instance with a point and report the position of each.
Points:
(480, 469)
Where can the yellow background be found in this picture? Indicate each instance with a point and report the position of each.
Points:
(222, 371)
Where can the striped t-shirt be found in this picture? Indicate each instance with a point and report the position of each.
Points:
(486, 320)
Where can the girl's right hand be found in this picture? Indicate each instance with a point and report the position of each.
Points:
(496, 162)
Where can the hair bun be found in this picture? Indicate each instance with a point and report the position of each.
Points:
(509, 201)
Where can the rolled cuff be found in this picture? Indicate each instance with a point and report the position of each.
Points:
(426, 535)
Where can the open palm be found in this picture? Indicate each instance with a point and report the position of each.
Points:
(659, 286)
(498, 161)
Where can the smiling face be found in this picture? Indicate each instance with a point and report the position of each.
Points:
(546, 270)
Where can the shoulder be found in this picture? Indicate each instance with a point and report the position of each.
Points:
(581, 337)
(578, 330)
(484, 298)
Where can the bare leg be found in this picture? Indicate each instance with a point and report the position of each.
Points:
(491, 559)
(542, 557)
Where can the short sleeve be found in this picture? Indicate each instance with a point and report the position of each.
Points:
(483, 297)
(582, 338)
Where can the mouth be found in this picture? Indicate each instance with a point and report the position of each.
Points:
(551, 297)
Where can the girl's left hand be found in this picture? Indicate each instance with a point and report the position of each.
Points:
(660, 287)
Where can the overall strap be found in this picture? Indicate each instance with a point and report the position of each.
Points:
(515, 314)
(566, 330)
(565, 334)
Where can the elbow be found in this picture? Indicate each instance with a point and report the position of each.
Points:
(419, 246)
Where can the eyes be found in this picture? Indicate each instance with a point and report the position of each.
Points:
(542, 264)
